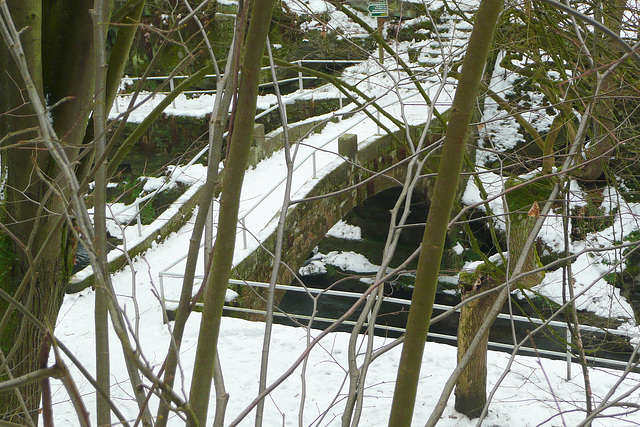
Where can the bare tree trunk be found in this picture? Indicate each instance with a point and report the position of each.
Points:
(229, 204)
(19, 339)
(598, 155)
(100, 14)
(471, 393)
(439, 212)
(471, 389)
(217, 124)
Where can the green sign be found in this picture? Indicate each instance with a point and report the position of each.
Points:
(378, 8)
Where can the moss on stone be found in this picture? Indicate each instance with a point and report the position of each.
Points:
(522, 198)
(467, 279)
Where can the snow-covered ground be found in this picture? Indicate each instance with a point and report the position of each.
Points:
(533, 392)
(539, 385)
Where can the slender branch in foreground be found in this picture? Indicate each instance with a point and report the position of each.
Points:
(50, 372)
(439, 213)
(286, 202)
(599, 25)
(237, 159)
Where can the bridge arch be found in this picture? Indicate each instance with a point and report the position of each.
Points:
(308, 222)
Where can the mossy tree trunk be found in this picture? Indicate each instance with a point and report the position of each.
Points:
(29, 228)
(471, 389)
(521, 227)
(471, 394)
(36, 248)
(523, 203)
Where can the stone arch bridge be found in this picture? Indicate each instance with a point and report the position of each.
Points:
(308, 222)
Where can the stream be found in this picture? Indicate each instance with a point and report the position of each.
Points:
(372, 218)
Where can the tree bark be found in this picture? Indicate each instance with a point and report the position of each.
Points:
(31, 210)
(439, 212)
(36, 253)
(101, 13)
(471, 389)
(471, 394)
(599, 154)
(223, 249)
(19, 339)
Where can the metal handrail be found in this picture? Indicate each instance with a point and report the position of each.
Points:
(355, 295)
(403, 301)
(243, 216)
(136, 204)
(298, 61)
(300, 78)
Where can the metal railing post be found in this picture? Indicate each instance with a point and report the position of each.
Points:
(300, 79)
(568, 333)
(138, 219)
(172, 86)
(244, 233)
(162, 300)
(313, 160)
